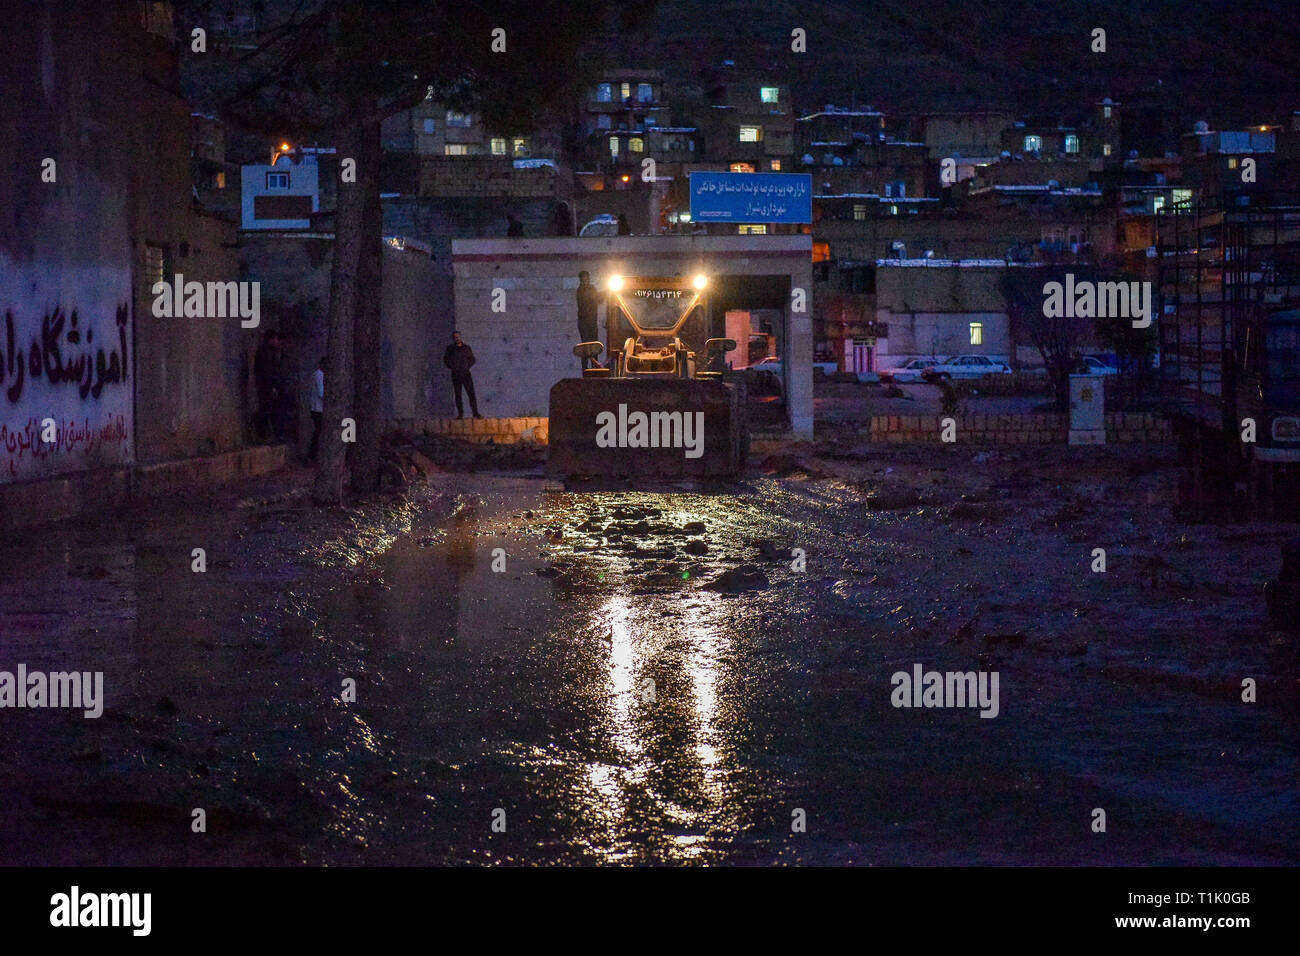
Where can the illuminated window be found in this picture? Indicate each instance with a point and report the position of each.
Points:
(1033, 144)
(1182, 197)
(821, 252)
(613, 146)
(859, 210)
(430, 125)
(498, 146)
(604, 93)
(625, 91)
(1157, 203)
(770, 94)
(752, 230)
(1232, 163)
(277, 180)
(458, 119)
(1105, 111)
(1105, 149)
(645, 93)
(455, 149)
(1071, 143)
(520, 146)
(751, 134)
(741, 167)
(221, 180)
(774, 165)
(893, 210)
(977, 333)
(636, 145)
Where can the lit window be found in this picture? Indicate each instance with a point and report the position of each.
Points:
(1182, 197)
(645, 93)
(498, 146)
(774, 165)
(220, 180)
(893, 210)
(1071, 143)
(1232, 162)
(430, 125)
(1105, 149)
(458, 119)
(770, 94)
(277, 180)
(613, 146)
(753, 230)
(428, 92)
(604, 93)
(1105, 111)
(859, 210)
(520, 146)
(1157, 203)
(1033, 144)
(742, 167)
(636, 145)
(977, 333)
(456, 149)
(625, 91)
(751, 134)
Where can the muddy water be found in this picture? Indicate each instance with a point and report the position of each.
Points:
(654, 677)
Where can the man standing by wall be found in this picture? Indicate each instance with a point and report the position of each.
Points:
(317, 406)
(459, 357)
(588, 302)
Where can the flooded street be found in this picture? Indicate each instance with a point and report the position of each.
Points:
(672, 675)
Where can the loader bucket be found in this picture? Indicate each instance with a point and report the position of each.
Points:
(646, 428)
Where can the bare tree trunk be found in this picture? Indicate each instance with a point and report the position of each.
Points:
(334, 435)
(365, 454)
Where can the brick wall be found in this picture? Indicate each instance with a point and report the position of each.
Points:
(502, 431)
(1015, 429)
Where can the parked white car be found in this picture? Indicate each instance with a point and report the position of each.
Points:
(773, 364)
(909, 371)
(966, 367)
(1091, 365)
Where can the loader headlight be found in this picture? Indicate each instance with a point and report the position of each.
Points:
(615, 283)
(701, 281)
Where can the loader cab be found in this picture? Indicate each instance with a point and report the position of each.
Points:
(658, 326)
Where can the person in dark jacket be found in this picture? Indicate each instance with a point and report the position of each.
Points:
(268, 376)
(588, 302)
(459, 357)
(515, 228)
(624, 227)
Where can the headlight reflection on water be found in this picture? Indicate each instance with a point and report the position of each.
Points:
(669, 771)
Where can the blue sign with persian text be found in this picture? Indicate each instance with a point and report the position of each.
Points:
(751, 197)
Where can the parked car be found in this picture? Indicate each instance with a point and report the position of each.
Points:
(1092, 365)
(773, 364)
(909, 371)
(966, 367)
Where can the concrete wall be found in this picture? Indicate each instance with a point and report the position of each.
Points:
(929, 308)
(416, 317)
(89, 89)
(524, 350)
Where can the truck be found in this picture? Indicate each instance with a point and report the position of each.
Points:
(1229, 333)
